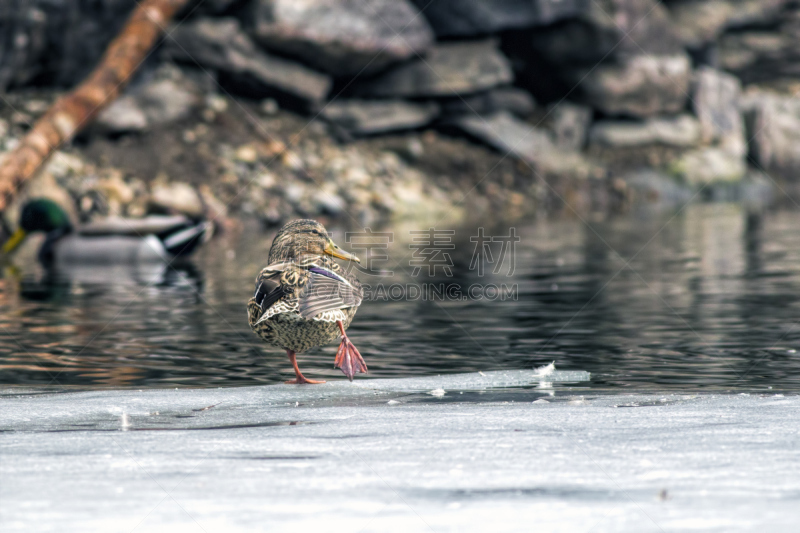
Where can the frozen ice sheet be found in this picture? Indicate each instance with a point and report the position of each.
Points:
(477, 381)
(379, 455)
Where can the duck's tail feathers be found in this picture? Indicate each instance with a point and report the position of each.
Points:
(185, 239)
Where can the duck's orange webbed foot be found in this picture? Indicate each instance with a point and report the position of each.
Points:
(300, 379)
(347, 357)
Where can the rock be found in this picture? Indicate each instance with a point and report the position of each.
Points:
(449, 69)
(715, 98)
(414, 149)
(215, 209)
(516, 101)
(606, 27)
(269, 107)
(773, 123)
(681, 131)
(56, 41)
(709, 165)
(570, 125)
(364, 117)
(160, 101)
(220, 44)
(342, 37)
(468, 18)
(62, 165)
(116, 194)
(217, 103)
(327, 201)
(176, 197)
(534, 145)
(23, 44)
(36, 107)
(653, 187)
(18, 118)
(755, 55)
(246, 154)
(189, 136)
(761, 55)
(123, 115)
(638, 86)
(213, 6)
(115, 189)
(698, 23)
(170, 97)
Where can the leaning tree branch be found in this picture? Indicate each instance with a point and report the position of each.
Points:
(73, 111)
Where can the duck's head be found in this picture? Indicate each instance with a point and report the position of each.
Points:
(39, 214)
(301, 238)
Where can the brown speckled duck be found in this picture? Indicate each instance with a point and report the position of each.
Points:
(304, 299)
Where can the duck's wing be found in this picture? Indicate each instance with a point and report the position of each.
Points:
(179, 235)
(270, 287)
(153, 224)
(327, 290)
(184, 239)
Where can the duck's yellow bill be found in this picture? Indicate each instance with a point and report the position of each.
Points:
(335, 251)
(15, 240)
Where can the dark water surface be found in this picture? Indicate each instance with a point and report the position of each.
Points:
(705, 300)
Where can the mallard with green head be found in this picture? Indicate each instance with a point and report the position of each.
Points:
(304, 298)
(114, 240)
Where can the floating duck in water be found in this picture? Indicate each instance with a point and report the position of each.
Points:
(111, 241)
(304, 299)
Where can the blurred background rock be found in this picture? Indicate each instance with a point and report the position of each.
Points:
(375, 109)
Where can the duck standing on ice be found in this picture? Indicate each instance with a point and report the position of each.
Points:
(304, 299)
